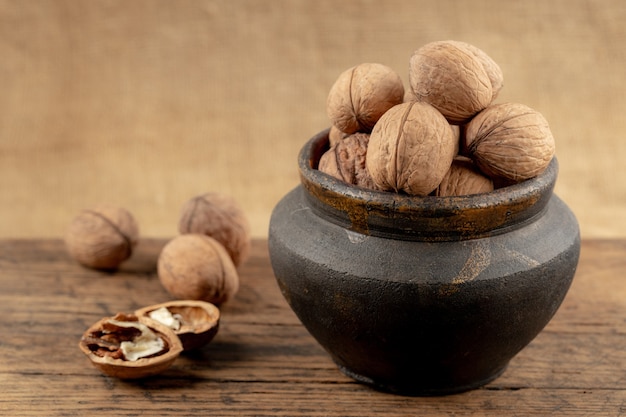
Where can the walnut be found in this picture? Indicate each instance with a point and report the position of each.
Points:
(510, 141)
(458, 137)
(346, 161)
(463, 178)
(102, 237)
(195, 322)
(335, 135)
(197, 267)
(128, 347)
(411, 148)
(493, 70)
(220, 217)
(409, 96)
(361, 95)
(455, 78)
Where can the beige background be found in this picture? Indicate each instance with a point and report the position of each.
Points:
(147, 103)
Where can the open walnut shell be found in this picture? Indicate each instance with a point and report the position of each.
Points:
(102, 344)
(195, 322)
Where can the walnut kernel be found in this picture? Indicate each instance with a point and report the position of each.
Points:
(195, 322)
(128, 347)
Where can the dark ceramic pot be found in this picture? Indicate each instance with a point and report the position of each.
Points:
(422, 295)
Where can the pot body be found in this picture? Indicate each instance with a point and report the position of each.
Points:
(414, 311)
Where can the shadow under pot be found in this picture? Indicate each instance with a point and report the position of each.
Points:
(422, 295)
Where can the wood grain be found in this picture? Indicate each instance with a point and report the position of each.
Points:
(263, 362)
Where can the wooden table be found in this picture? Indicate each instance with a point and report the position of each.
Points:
(263, 362)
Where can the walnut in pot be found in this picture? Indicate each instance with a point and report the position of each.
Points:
(510, 141)
(361, 95)
(463, 178)
(410, 149)
(335, 135)
(345, 160)
(493, 70)
(454, 78)
(102, 237)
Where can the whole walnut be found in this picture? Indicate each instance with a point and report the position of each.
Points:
(510, 141)
(455, 78)
(197, 267)
(463, 178)
(361, 95)
(346, 161)
(221, 217)
(410, 149)
(493, 70)
(102, 237)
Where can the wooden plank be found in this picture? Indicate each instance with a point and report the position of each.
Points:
(188, 396)
(263, 362)
(286, 352)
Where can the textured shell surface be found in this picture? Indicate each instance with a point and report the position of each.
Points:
(361, 95)
(511, 141)
(452, 79)
(410, 149)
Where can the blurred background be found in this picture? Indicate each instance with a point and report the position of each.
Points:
(147, 103)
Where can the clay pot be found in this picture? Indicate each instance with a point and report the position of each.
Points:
(422, 295)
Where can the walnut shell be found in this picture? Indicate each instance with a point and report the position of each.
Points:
(361, 95)
(409, 96)
(102, 237)
(106, 360)
(493, 70)
(510, 141)
(463, 178)
(335, 135)
(197, 321)
(220, 217)
(197, 267)
(452, 78)
(346, 161)
(411, 149)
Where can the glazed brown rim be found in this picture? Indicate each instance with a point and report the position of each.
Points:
(399, 216)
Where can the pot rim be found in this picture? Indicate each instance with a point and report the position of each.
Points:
(400, 216)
